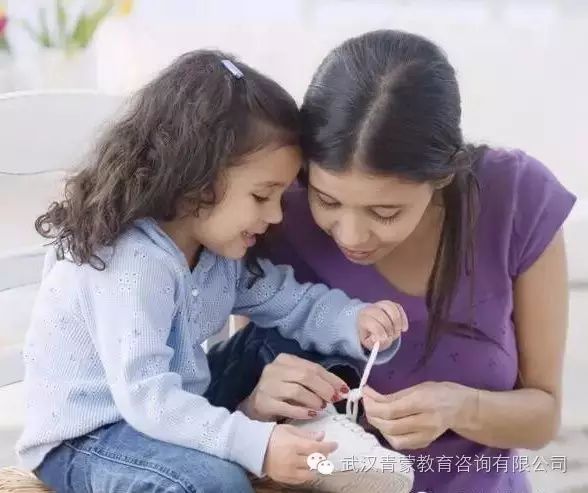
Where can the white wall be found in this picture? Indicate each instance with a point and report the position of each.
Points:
(521, 63)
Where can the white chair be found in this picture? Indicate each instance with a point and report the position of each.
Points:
(42, 135)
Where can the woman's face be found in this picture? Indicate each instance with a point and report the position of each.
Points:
(368, 216)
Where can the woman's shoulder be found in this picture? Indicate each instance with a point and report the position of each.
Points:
(501, 169)
(522, 204)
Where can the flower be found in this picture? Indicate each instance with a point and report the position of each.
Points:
(3, 21)
(125, 7)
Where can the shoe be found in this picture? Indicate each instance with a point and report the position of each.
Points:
(360, 463)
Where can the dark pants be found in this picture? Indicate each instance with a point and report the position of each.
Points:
(236, 364)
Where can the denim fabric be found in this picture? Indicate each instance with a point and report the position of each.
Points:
(116, 458)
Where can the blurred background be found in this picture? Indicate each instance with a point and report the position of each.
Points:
(522, 64)
(523, 72)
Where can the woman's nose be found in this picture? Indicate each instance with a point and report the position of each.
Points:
(349, 233)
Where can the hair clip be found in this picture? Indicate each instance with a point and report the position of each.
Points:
(231, 67)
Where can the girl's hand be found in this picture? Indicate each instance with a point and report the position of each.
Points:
(383, 321)
(292, 387)
(413, 418)
(288, 450)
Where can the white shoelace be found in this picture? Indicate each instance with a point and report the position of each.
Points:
(356, 394)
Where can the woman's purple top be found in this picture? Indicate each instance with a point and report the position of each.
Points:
(522, 207)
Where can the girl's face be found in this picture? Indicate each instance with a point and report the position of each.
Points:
(250, 194)
(368, 216)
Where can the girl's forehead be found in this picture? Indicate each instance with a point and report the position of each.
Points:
(272, 166)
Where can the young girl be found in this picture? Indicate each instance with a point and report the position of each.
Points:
(150, 259)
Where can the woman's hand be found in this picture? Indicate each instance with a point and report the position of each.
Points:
(292, 387)
(413, 418)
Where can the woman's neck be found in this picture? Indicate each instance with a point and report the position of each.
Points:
(428, 230)
(409, 266)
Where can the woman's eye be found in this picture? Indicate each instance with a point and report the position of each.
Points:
(326, 203)
(259, 198)
(386, 219)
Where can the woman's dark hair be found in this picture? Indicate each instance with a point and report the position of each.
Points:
(390, 101)
(180, 132)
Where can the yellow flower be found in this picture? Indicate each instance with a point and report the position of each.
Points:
(125, 7)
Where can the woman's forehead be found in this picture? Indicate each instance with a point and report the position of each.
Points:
(357, 186)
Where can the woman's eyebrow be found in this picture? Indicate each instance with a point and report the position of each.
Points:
(372, 206)
(271, 184)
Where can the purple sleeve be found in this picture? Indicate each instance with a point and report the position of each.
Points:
(541, 205)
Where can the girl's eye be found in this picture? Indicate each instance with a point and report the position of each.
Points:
(259, 198)
(385, 219)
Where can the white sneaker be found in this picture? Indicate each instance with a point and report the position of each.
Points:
(360, 463)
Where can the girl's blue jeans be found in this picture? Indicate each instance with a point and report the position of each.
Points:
(116, 458)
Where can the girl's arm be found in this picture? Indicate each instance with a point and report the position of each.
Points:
(319, 318)
(130, 309)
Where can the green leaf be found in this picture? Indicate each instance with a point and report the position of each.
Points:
(88, 24)
(4, 46)
(32, 33)
(44, 35)
(61, 23)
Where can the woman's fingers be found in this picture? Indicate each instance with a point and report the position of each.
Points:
(390, 409)
(292, 387)
(285, 409)
(410, 441)
(400, 426)
(375, 395)
(312, 376)
(298, 395)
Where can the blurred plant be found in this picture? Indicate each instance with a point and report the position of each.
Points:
(125, 7)
(4, 46)
(77, 35)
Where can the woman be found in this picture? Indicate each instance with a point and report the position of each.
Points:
(395, 205)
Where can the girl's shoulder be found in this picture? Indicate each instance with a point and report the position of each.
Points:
(138, 253)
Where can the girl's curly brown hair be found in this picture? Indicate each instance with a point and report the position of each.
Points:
(178, 135)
